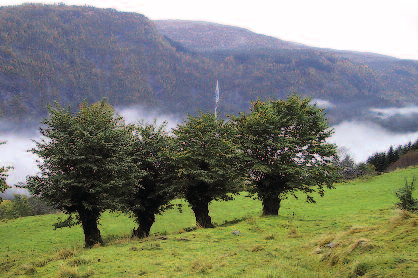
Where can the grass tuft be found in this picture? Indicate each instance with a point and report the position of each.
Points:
(359, 269)
(358, 243)
(200, 266)
(68, 272)
(28, 269)
(79, 261)
(257, 248)
(269, 237)
(65, 253)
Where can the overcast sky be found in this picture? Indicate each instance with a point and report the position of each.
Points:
(388, 27)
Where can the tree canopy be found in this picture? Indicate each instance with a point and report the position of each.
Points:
(82, 162)
(151, 189)
(286, 149)
(208, 162)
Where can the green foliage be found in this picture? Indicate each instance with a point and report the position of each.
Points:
(22, 206)
(405, 196)
(82, 162)
(208, 162)
(3, 175)
(18, 207)
(150, 190)
(285, 144)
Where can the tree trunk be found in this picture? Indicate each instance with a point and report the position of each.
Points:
(271, 205)
(200, 208)
(145, 221)
(91, 231)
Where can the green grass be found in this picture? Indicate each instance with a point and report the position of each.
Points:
(354, 231)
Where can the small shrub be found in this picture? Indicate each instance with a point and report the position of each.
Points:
(406, 201)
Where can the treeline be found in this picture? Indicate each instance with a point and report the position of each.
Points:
(92, 161)
(22, 206)
(383, 161)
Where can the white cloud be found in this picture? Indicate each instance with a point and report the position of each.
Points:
(15, 153)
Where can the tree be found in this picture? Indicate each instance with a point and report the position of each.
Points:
(208, 163)
(82, 162)
(287, 152)
(150, 190)
(3, 176)
(379, 161)
(405, 196)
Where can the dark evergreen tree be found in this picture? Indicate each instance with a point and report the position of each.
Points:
(379, 161)
(208, 163)
(285, 142)
(82, 163)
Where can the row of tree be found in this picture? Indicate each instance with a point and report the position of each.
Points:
(91, 161)
(382, 160)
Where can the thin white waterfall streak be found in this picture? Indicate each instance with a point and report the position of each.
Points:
(216, 97)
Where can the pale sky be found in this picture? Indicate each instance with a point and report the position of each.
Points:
(388, 27)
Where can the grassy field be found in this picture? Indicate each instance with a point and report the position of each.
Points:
(353, 231)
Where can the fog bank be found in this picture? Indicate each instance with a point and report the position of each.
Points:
(359, 139)
(362, 139)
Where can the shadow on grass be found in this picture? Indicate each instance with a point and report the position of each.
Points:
(232, 222)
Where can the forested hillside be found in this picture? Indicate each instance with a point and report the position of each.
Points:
(69, 53)
(74, 53)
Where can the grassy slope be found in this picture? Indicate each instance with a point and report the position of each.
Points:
(368, 236)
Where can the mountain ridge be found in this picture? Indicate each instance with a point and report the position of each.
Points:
(72, 53)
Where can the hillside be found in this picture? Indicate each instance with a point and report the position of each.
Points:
(73, 53)
(352, 81)
(70, 53)
(352, 231)
(206, 36)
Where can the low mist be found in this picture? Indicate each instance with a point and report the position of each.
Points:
(399, 120)
(362, 139)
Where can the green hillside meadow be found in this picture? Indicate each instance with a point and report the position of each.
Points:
(353, 231)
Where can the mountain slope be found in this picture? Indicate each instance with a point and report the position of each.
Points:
(204, 36)
(73, 53)
(69, 53)
(353, 81)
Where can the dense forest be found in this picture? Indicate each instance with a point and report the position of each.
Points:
(70, 53)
